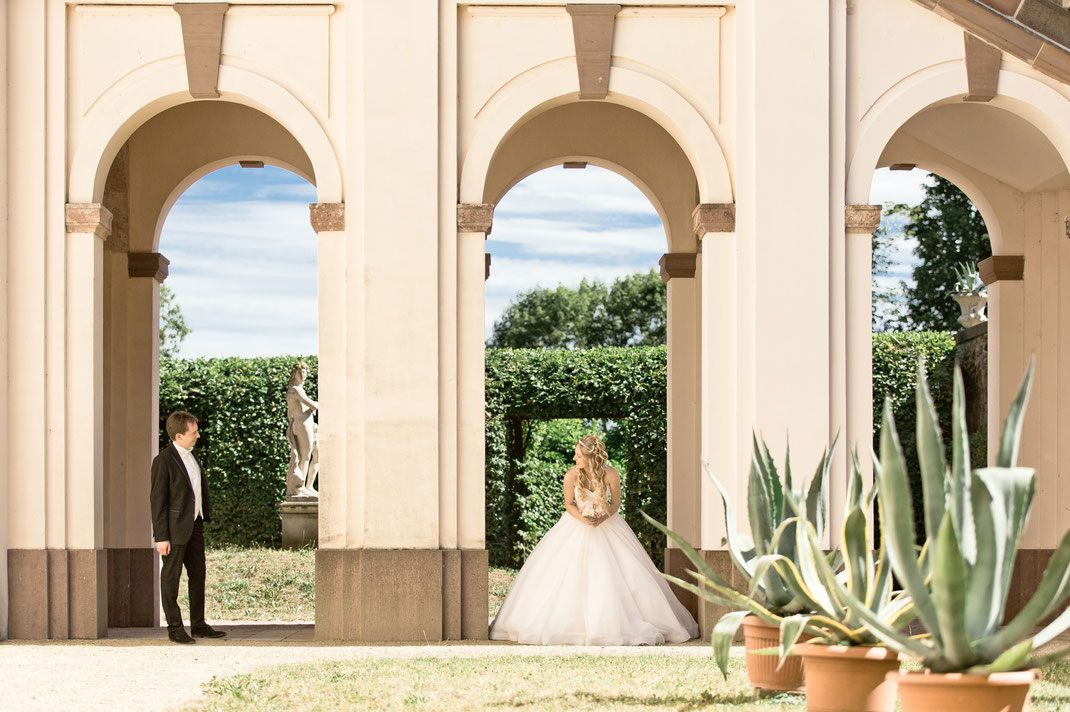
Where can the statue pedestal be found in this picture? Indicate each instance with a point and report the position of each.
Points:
(300, 522)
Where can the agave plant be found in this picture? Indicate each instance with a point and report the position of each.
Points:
(865, 577)
(770, 558)
(967, 280)
(973, 519)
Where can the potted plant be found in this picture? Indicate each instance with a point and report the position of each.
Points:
(959, 582)
(845, 666)
(970, 294)
(774, 508)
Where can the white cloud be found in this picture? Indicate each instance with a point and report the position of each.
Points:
(897, 186)
(549, 236)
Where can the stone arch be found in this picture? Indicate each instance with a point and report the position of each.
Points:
(1027, 98)
(159, 86)
(554, 84)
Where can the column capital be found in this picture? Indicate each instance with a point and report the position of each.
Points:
(475, 217)
(147, 264)
(327, 217)
(88, 218)
(862, 218)
(1000, 268)
(714, 217)
(677, 264)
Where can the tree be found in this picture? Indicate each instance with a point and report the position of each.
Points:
(631, 312)
(173, 329)
(949, 230)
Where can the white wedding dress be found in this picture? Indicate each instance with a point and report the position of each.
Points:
(585, 585)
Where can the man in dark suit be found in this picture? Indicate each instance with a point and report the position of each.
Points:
(180, 506)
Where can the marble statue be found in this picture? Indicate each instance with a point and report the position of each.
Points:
(301, 432)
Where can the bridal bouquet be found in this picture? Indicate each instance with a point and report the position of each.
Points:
(591, 510)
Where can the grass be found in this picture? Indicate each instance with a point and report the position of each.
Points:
(246, 584)
(587, 682)
(257, 584)
(500, 581)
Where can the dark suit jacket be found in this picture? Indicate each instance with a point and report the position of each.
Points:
(171, 498)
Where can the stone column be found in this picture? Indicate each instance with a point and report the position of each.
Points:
(721, 431)
(88, 225)
(473, 226)
(859, 221)
(133, 564)
(1004, 275)
(329, 222)
(684, 412)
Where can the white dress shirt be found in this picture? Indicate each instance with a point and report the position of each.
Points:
(194, 472)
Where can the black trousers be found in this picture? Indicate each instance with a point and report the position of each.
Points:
(190, 555)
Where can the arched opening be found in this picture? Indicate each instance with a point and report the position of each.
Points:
(637, 148)
(1017, 179)
(575, 253)
(154, 167)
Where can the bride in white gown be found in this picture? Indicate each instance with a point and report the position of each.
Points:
(589, 581)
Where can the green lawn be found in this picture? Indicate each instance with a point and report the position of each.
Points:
(274, 585)
(649, 682)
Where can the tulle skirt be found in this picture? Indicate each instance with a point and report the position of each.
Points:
(586, 585)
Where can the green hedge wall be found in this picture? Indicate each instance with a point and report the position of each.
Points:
(241, 405)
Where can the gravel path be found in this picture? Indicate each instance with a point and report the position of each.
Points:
(151, 674)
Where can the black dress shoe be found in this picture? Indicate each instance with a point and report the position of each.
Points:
(179, 635)
(207, 631)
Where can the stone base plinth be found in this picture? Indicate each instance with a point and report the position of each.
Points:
(708, 613)
(57, 593)
(300, 522)
(133, 588)
(377, 595)
(677, 564)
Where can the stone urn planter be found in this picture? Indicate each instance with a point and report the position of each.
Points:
(845, 678)
(762, 669)
(930, 692)
(972, 305)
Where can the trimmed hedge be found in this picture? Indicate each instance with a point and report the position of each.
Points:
(241, 405)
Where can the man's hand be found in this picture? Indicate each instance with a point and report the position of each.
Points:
(163, 547)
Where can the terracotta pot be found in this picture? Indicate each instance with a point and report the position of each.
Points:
(841, 678)
(937, 692)
(762, 669)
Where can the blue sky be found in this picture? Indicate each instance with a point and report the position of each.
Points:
(243, 255)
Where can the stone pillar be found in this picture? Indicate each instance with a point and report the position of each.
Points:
(473, 226)
(684, 412)
(860, 221)
(26, 512)
(715, 226)
(88, 225)
(134, 575)
(329, 222)
(5, 336)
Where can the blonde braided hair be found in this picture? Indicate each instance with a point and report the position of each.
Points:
(597, 457)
